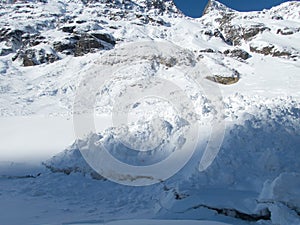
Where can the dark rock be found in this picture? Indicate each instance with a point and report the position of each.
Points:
(12, 38)
(237, 53)
(249, 33)
(28, 58)
(215, 33)
(38, 40)
(80, 44)
(235, 77)
(281, 53)
(267, 50)
(235, 34)
(208, 50)
(68, 29)
(287, 31)
(270, 50)
(223, 80)
(232, 34)
(87, 44)
(67, 47)
(81, 21)
(105, 37)
(276, 17)
(161, 5)
(32, 57)
(218, 33)
(32, 39)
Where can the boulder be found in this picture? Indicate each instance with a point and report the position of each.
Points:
(68, 29)
(237, 53)
(223, 80)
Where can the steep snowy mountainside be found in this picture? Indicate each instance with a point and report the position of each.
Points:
(48, 47)
(53, 37)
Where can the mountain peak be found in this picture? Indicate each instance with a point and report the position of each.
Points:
(214, 5)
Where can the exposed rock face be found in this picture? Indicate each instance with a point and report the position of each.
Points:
(251, 32)
(104, 37)
(215, 33)
(33, 56)
(66, 46)
(68, 29)
(226, 80)
(237, 53)
(269, 50)
(86, 44)
(78, 36)
(70, 33)
(80, 44)
(12, 40)
(237, 28)
(273, 50)
(287, 31)
(234, 34)
(208, 50)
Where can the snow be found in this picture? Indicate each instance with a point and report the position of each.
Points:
(255, 170)
(37, 138)
(283, 197)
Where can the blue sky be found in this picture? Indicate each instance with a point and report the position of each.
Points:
(194, 8)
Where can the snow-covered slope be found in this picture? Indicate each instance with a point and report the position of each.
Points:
(49, 49)
(41, 33)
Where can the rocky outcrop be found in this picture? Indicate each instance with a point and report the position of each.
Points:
(255, 29)
(232, 33)
(67, 46)
(223, 80)
(87, 44)
(237, 53)
(215, 33)
(235, 34)
(80, 44)
(287, 31)
(273, 50)
(68, 29)
(12, 40)
(106, 37)
(228, 79)
(36, 56)
(207, 50)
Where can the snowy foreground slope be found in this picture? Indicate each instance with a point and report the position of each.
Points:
(239, 73)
